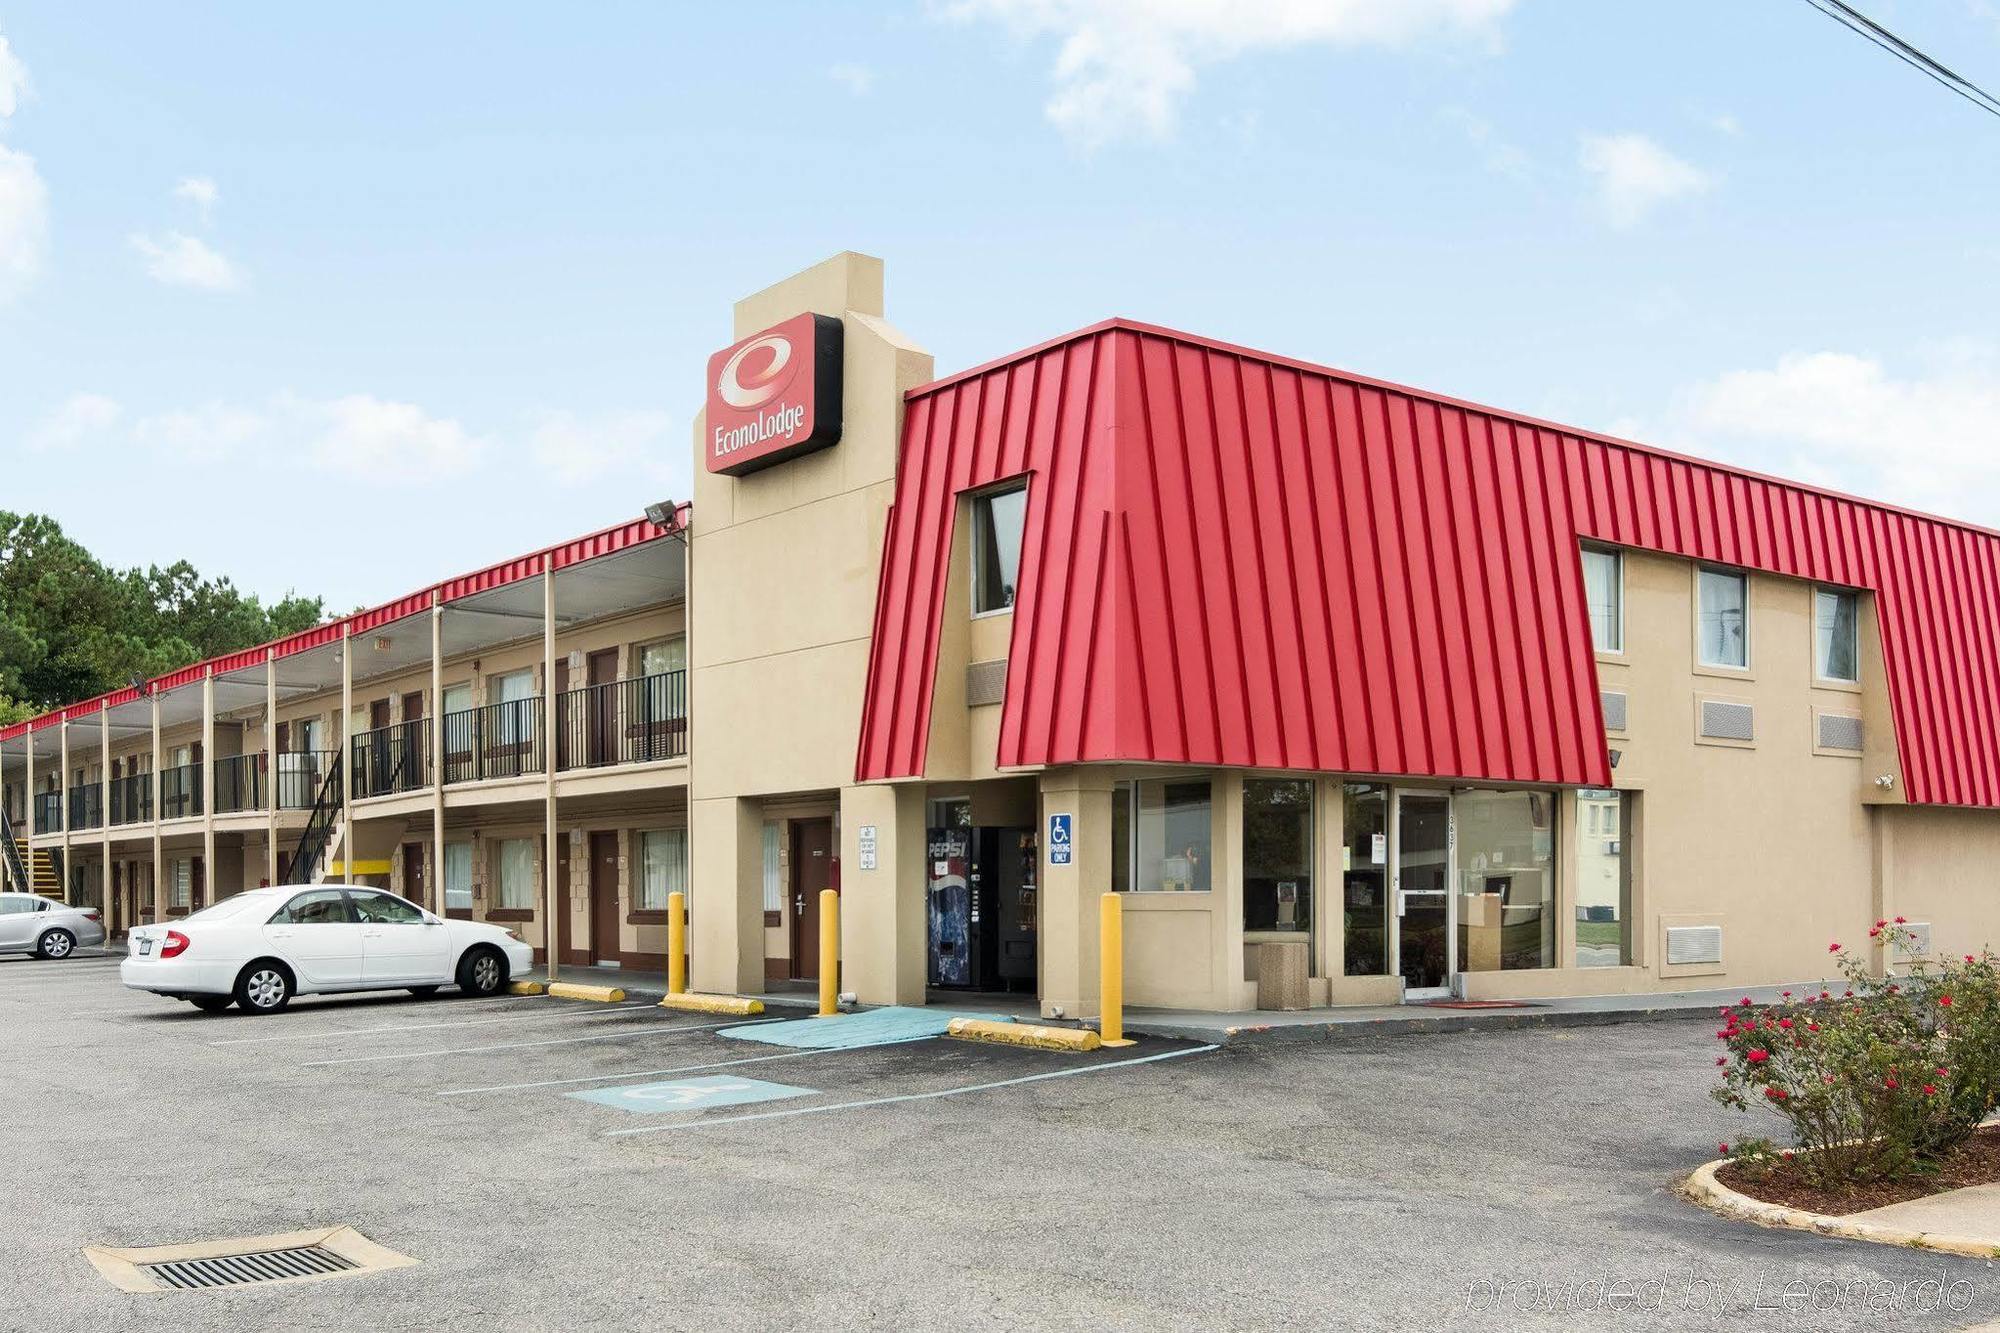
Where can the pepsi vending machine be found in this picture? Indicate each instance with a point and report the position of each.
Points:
(983, 909)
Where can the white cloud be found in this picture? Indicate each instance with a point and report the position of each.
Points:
(1725, 124)
(180, 260)
(24, 221)
(386, 442)
(199, 191)
(857, 79)
(1635, 176)
(574, 450)
(1499, 156)
(201, 434)
(80, 417)
(13, 80)
(1927, 437)
(1124, 66)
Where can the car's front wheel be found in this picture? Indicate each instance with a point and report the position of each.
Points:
(264, 987)
(210, 1004)
(482, 972)
(56, 944)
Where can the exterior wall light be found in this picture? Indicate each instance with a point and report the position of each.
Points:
(1886, 781)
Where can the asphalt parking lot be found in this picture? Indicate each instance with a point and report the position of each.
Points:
(1514, 1179)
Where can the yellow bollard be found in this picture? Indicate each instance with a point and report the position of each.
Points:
(1111, 970)
(829, 952)
(677, 944)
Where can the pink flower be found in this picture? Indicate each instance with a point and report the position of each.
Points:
(1722, 1148)
(1873, 931)
(1744, 1002)
(1756, 1055)
(1902, 920)
(1786, 994)
(1889, 1083)
(1828, 1078)
(1833, 946)
(1812, 1027)
(1943, 1072)
(1881, 923)
(1945, 1000)
(1775, 1094)
(1968, 958)
(1722, 1059)
(1787, 1154)
(1930, 1090)
(1784, 1022)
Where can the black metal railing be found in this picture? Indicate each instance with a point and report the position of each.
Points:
(301, 775)
(132, 798)
(623, 722)
(502, 740)
(391, 759)
(86, 806)
(239, 783)
(318, 832)
(17, 871)
(48, 812)
(180, 791)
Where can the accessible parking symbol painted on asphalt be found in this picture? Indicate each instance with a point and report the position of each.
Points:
(691, 1094)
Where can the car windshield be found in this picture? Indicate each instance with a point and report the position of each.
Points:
(226, 909)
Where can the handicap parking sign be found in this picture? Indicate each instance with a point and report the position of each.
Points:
(691, 1094)
(1059, 840)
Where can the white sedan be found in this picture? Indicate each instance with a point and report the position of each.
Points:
(262, 947)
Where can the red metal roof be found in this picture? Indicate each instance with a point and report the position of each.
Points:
(1234, 558)
(608, 541)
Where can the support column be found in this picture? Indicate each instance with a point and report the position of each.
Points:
(438, 903)
(551, 934)
(1067, 941)
(726, 906)
(159, 866)
(33, 795)
(271, 763)
(884, 918)
(1881, 880)
(104, 801)
(207, 787)
(345, 754)
(62, 825)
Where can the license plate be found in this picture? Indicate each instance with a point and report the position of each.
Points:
(145, 946)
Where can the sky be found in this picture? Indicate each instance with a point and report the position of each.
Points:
(345, 299)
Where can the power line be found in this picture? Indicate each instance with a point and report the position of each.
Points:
(1850, 17)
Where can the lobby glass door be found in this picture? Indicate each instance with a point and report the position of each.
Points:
(1423, 877)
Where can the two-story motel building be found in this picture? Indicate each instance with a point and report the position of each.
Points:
(1351, 689)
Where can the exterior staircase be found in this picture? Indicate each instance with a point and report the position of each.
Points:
(39, 867)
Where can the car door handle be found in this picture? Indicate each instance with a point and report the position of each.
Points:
(371, 934)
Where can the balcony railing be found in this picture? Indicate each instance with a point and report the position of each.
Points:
(392, 759)
(502, 740)
(180, 791)
(86, 806)
(48, 812)
(300, 776)
(240, 783)
(132, 799)
(623, 722)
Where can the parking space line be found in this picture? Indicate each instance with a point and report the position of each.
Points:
(666, 1030)
(678, 1069)
(704, 1121)
(512, 1015)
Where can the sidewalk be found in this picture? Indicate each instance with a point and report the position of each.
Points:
(1259, 1027)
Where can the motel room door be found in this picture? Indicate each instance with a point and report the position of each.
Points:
(604, 919)
(812, 871)
(1421, 884)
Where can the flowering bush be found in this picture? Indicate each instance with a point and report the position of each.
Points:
(1878, 1080)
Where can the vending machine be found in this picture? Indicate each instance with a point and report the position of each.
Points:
(983, 907)
(953, 909)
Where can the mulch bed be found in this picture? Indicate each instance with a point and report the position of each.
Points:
(1975, 1162)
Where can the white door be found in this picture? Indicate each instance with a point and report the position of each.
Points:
(1425, 949)
(317, 933)
(399, 943)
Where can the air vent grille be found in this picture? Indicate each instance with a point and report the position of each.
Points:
(986, 682)
(1919, 943)
(1839, 731)
(1614, 709)
(238, 1270)
(1725, 721)
(1693, 944)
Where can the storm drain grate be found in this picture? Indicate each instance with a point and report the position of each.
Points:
(246, 1261)
(236, 1270)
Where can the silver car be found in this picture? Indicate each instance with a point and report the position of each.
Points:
(30, 923)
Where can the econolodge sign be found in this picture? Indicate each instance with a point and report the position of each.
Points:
(775, 395)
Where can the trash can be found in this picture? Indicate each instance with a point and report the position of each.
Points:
(1281, 974)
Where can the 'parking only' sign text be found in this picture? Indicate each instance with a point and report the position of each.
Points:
(1059, 840)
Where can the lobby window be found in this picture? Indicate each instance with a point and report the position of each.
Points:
(1160, 836)
(1837, 635)
(997, 521)
(1364, 874)
(1277, 854)
(774, 882)
(1507, 879)
(517, 874)
(663, 861)
(1604, 593)
(1723, 618)
(458, 877)
(1603, 880)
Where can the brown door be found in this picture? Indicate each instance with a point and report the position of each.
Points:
(413, 874)
(413, 705)
(604, 921)
(378, 714)
(603, 677)
(812, 870)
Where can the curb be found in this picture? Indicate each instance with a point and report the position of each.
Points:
(1037, 1035)
(1285, 1034)
(694, 1003)
(1704, 1189)
(570, 990)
